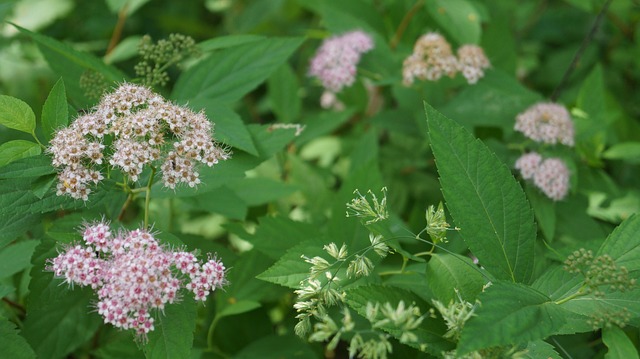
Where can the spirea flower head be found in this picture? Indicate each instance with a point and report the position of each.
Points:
(431, 59)
(335, 62)
(547, 123)
(472, 62)
(133, 274)
(550, 175)
(146, 130)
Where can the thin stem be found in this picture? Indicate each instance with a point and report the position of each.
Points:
(147, 198)
(575, 295)
(117, 31)
(404, 23)
(125, 206)
(37, 140)
(576, 59)
(15, 305)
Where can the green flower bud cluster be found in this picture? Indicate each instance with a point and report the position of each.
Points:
(157, 57)
(600, 273)
(608, 319)
(93, 84)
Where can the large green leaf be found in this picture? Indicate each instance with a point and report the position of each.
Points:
(510, 313)
(55, 112)
(622, 244)
(13, 345)
(429, 332)
(459, 18)
(619, 344)
(173, 334)
(17, 149)
(229, 74)
(448, 272)
(484, 199)
(28, 167)
(16, 114)
(59, 319)
(71, 64)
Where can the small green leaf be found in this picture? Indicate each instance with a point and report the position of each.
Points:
(55, 112)
(619, 344)
(459, 18)
(13, 345)
(291, 269)
(229, 74)
(484, 199)
(16, 257)
(173, 334)
(239, 307)
(510, 313)
(448, 272)
(17, 149)
(223, 42)
(627, 151)
(16, 114)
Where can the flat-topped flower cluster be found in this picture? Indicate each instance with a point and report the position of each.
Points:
(145, 129)
(133, 274)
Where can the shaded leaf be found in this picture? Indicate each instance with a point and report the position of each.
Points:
(55, 111)
(13, 345)
(619, 344)
(447, 272)
(16, 257)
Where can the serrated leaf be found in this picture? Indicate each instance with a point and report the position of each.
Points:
(28, 167)
(447, 272)
(173, 334)
(283, 94)
(541, 349)
(71, 64)
(510, 313)
(12, 344)
(619, 344)
(59, 319)
(429, 332)
(291, 269)
(17, 149)
(16, 114)
(16, 257)
(55, 111)
(622, 244)
(229, 74)
(459, 18)
(484, 199)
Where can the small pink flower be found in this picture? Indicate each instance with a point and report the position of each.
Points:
(547, 123)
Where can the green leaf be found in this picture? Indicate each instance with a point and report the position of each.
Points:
(59, 319)
(459, 18)
(29, 167)
(239, 307)
(277, 347)
(16, 114)
(258, 191)
(283, 93)
(627, 151)
(291, 269)
(17, 149)
(55, 111)
(13, 345)
(429, 332)
(223, 42)
(510, 313)
(619, 344)
(16, 257)
(130, 6)
(268, 237)
(622, 244)
(71, 64)
(484, 199)
(173, 334)
(229, 74)
(221, 200)
(447, 272)
(541, 349)
(544, 210)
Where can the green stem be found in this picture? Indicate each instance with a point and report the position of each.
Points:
(147, 198)
(33, 134)
(404, 23)
(124, 206)
(577, 294)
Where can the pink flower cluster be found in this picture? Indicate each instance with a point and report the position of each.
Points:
(433, 58)
(547, 123)
(133, 274)
(141, 123)
(335, 62)
(551, 175)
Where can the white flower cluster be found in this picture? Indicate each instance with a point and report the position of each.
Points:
(142, 125)
(550, 175)
(548, 123)
(433, 58)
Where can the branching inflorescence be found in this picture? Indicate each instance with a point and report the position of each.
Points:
(133, 274)
(145, 129)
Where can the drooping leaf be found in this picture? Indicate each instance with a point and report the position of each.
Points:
(55, 111)
(173, 334)
(229, 74)
(16, 114)
(484, 199)
(510, 313)
(17, 149)
(619, 344)
(13, 345)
